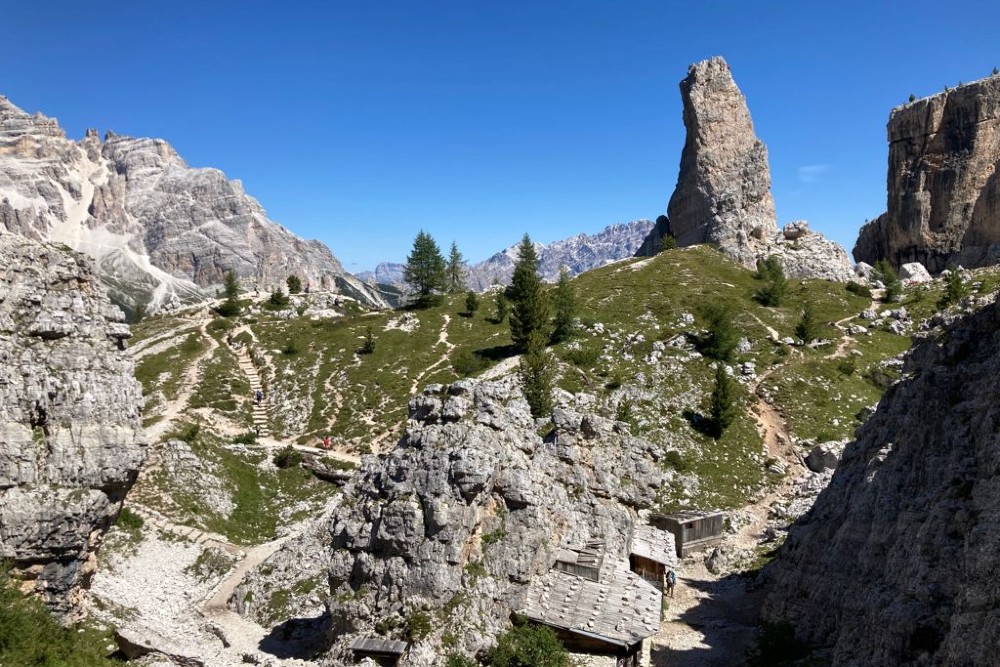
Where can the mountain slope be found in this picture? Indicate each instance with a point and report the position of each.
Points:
(161, 231)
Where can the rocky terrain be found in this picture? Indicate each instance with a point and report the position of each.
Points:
(577, 253)
(70, 411)
(943, 188)
(896, 562)
(162, 233)
(723, 192)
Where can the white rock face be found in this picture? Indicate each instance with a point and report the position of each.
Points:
(914, 273)
(71, 439)
(160, 230)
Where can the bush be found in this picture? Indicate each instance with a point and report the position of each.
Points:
(775, 288)
(722, 334)
(808, 328)
(278, 299)
(294, 284)
(955, 290)
(291, 348)
(887, 275)
(459, 660)
(467, 363)
(527, 645)
(129, 520)
(368, 346)
(287, 457)
(584, 357)
(471, 302)
(418, 625)
(859, 289)
(247, 438)
(674, 459)
(667, 242)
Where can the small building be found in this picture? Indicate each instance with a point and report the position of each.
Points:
(385, 652)
(611, 615)
(651, 553)
(693, 530)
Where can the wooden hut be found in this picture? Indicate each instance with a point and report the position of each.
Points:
(651, 553)
(693, 530)
(385, 652)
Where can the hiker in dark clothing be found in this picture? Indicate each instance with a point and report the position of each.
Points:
(258, 396)
(671, 582)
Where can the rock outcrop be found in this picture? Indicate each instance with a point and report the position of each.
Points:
(943, 186)
(160, 230)
(471, 505)
(71, 439)
(896, 563)
(723, 193)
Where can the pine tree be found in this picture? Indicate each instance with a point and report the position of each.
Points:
(501, 305)
(724, 407)
(530, 312)
(456, 270)
(808, 328)
(775, 287)
(425, 269)
(887, 275)
(565, 306)
(230, 307)
(294, 284)
(471, 302)
(722, 334)
(536, 375)
(955, 289)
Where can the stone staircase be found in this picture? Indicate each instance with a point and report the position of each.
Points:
(260, 416)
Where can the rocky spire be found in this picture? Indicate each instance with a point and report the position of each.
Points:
(723, 191)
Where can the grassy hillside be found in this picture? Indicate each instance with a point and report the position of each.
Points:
(635, 354)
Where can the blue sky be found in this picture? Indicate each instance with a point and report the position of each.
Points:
(359, 123)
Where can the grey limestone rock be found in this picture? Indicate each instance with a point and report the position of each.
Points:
(157, 227)
(944, 190)
(470, 506)
(896, 563)
(71, 440)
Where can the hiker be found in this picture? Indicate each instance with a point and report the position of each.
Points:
(326, 442)
(258, 396)
(671, 582)
(256, 430)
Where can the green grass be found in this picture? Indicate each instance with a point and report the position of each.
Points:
(164, 371)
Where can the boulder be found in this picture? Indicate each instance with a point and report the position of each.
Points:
(795, 230)
(825, 456)
(913, 273)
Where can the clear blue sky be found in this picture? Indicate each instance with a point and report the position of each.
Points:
(359, 123)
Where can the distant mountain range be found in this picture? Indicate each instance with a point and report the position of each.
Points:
(577, 253)
(162, 233)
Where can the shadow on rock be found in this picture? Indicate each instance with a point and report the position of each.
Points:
(301, 638)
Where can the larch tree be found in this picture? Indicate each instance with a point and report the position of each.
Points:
(530, 308)
(456, 270)
(425, 269)
(565, 306)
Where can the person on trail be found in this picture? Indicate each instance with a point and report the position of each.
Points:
(671, 582)
(258, 396)
(326, 442)
(256, 430)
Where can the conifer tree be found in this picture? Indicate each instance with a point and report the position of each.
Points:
(724, 407)
(808, 327)
(456, 270)
(231, 287)
(565, 307)
(425, 269)
(536, 375)
(722, 334)
(471, 302)
(501, 305)
(530, 312)
(294, 284)
(885, 273)
(775, 286)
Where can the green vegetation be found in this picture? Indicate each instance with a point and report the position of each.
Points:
(231, 289)
(536, 376)
(471, 303)
(724, 408)
(164, 371)
(418, 625)
(775, 288)
(278, 299)
(425, 270)
(368, 346)
(776, 646)
(456, 270)
(530, 313)
(31, 637)
(887, 275)
(528, 645)
(501, 307)
(294, 284)
(859, 289)
(287, 457)
(459, 660)
(667, 242)
(955, 289)
(722, 334)
(564, 301)
(808, 328)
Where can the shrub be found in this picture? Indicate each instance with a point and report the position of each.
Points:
(955, 289)
(775, 288)
(724, 408)
(722, 334)
(247, 438)
(287, 457)
(459, 660)
(887, 275)
(584, 357)
(467, 363)
(527, 645)
(501, 306)
(674, 459)
(129, 520)
(294, 284)
(418, 625)
(278, 299)
(471, 302)
(859, 289)
(291, 348)
(667, 242)
(808, 328)
(368, 346)
(847, 366)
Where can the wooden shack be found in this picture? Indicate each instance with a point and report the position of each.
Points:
(693, 530)
(651, 553)
(385, 652)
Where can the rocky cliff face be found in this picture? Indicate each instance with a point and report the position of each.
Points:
(160, 230)
(577, 253)
(471, 505)
(943, 186)
(723, 192)
(896, 563)
(71, 440)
